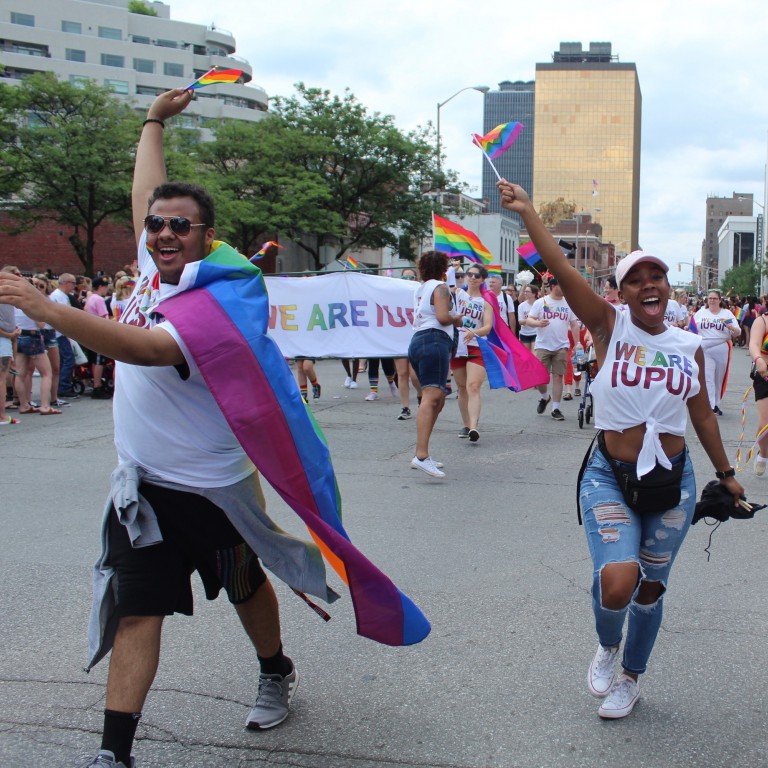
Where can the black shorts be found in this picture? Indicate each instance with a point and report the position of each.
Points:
(197, 536)
(760, 385)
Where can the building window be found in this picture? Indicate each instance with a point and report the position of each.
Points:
(199, 50)
(140, 39)
(167, 43)
(111, 33)
(172, 69)
(111, 60)
(25, 19)
(145, 90)
(73, 27)
(72, 54)
(117, 86)
(78, 81)
(144, 65)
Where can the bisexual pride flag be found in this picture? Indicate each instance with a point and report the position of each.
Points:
(528, 253)
(458, 242)
(507, 362)
(222, 317)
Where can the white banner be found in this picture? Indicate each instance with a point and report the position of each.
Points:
(343, 314)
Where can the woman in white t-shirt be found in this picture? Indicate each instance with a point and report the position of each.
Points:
(527, 334)
(718, 329)
(651, 379)
(468, 366)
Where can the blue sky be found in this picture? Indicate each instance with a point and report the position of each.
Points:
(701, 67)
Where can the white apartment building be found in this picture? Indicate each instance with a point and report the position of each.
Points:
(136, 55)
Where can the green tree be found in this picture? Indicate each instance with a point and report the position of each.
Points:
(260, 184)
(140, 7)
(68, 157)
(376, 175)
(742, 280)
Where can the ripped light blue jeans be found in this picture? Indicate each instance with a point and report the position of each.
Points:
(616, 534)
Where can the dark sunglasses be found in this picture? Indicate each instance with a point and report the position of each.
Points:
(179, 225)
(476, 275)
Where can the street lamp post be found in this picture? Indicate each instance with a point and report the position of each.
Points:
(481, 88)
(759, 247)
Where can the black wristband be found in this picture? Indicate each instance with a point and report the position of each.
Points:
(153, 120)
(730, 472)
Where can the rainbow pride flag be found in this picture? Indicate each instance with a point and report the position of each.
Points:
(508, 363)
(742, 313)
(215, 75)
(496, 142)
(223, 317)
(262, 252)
(493, 269)
(456, 241)
(528, 253)
(351, 263)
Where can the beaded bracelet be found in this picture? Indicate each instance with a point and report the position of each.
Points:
(154, 120)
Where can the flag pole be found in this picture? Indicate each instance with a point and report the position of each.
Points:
(487, 156)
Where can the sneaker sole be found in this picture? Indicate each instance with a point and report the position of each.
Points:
(291, 691)
(541, 408)
(473, 435)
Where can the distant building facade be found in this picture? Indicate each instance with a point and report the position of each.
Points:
(512, 102)
(588, 110)
(137, 56)
(718, 210)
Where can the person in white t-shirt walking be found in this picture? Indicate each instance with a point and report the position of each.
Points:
(552, 317)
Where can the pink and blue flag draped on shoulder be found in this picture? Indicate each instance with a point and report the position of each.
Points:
(507, 362)
(496, 142)
(528, 253)
(224, 317)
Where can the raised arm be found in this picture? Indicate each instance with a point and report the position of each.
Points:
(149, 170)
(596, 313)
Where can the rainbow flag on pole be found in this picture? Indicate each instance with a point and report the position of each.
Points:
(350, 263)
(528, 253)
(493, 269)
(496, 142)
(225, 316)
(215, 75)
(456, 241)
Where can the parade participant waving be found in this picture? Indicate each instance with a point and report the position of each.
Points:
(650, 376)
(718, 329)
(468, 366)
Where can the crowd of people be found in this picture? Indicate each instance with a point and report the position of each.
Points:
(66, 370)
(186, 497)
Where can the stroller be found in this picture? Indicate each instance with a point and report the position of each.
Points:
(82, 375)
(586, 363)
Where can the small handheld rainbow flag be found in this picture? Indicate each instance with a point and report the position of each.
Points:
(262, 252)
(350, 263)
(454, 240)
(493, 269)
(496, 142)
(742, 313)
(528, 253)
(215, 75)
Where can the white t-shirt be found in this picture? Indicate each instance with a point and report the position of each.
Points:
(471, 309)
(554, 336)
(522, 313)
(171, 426)
(713, 328)
(506, 305)
(674, 313)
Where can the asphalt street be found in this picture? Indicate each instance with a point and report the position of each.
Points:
(494, 556)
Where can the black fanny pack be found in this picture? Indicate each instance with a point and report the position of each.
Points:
(656, 491)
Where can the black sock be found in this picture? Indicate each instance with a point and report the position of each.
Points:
(119, 730)
(279, 664)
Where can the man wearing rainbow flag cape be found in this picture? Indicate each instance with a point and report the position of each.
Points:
(203, 399)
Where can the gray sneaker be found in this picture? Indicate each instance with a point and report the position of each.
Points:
(272, 701)
(105, 759)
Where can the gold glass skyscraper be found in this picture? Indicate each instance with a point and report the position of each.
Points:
(587, 139)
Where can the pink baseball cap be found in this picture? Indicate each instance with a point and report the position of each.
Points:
(635, 258)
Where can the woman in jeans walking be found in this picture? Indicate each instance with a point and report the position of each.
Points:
(429, 352)
(651, 378)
